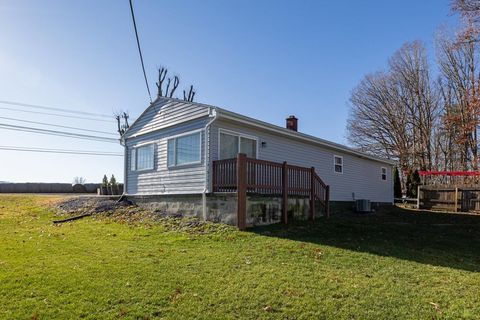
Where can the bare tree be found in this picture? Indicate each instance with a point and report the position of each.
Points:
(189, 96)
(79, 180)
(394, 114)
(459, 66)
(169, 91)
(122, 122)
(411, 72)
(176, 82)
(162, 73)
(469, 9)
(376, 125)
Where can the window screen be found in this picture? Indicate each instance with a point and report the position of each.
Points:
(249, 147)
(144, 157)
(232, 144)
(188, 149)
(184, 150)
(228, 146)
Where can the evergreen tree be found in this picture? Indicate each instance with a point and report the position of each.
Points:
(415, 183)
(105, 181)
(113, 181)
(397, 186)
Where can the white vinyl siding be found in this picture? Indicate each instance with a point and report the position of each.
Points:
(166, 113)
(360, 176)
(186, 179)
(184, 150)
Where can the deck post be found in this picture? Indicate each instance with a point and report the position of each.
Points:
(312, 193)
(456, 199)
(419, 198)
(284, 192)
(327, 201)
(241, 191)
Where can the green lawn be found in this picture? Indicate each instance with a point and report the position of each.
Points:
(395, 265)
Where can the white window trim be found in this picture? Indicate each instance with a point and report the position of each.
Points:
(335, 164)
(240, 135)
(134, 148)
(381, 173)
(175, 148)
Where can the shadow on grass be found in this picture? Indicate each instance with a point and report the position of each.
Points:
(439, 239)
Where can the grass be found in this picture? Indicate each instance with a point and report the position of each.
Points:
(393, 265)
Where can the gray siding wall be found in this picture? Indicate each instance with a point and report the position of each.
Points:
(360, 176)
(164, 180)
(166, 113)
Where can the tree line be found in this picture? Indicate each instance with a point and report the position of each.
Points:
(425, 120)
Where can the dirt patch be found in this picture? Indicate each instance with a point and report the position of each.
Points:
(127, 213)
(85, 204)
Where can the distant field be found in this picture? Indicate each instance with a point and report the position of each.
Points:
(394, 265)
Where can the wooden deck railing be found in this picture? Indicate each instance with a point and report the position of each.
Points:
(247, 175)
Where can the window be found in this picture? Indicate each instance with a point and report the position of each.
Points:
(338, 163)
(384, 173)
(183, 150)
(142, 157)
(228, 146)
(231, 144)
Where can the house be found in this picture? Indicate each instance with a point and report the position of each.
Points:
(175, 161)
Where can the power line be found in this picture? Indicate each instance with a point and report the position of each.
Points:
(53, 108)
(56, 114)
(63, 151)
(140, 50)
(57, 125)
(56, 133)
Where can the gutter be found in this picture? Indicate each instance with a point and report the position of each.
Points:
(212, 111)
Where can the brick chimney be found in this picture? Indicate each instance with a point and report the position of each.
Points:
(292, 123)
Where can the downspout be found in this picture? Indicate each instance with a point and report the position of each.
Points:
(213, 112)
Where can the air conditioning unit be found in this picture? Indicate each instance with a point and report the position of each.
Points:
(363, 206)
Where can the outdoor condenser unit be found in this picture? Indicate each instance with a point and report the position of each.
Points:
(363, 206)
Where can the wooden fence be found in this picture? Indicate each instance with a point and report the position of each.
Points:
(455, 199)
(252, 176)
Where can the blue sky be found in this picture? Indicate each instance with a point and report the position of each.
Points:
(264, 59)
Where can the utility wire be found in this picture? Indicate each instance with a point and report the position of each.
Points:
(20, 104)
(59, 126)
(56, 114)
(56, 133)
(140, 50)
(64, 151)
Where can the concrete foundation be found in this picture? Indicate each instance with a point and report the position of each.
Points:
(222, 207)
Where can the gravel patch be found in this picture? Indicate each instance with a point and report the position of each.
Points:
(127, 213)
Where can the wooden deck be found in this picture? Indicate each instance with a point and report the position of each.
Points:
(245, 175)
